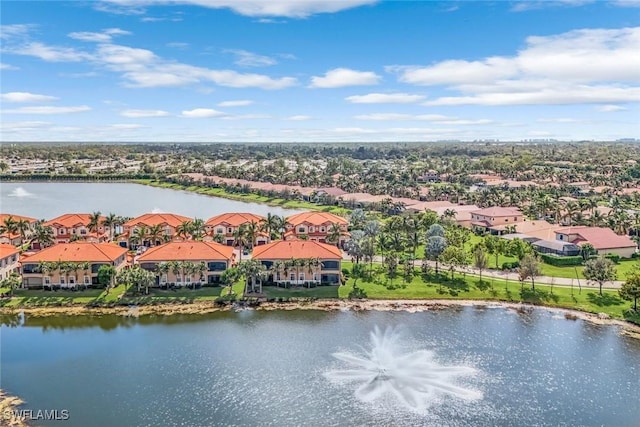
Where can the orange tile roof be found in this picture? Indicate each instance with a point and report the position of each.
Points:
(316, 218)
(187, 251)
(71, 220)
(3, 217)
(152, 219)
(234, 219)
(296, 249)
(79, 252)
(7, 250)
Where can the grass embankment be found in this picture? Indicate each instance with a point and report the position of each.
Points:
(248, 197)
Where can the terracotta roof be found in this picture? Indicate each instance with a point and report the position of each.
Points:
(538, 228)
(599, 237)
(498, 211)
(296, 249)
(234, 219)
(71, 220)
(332, 191)
(187, 251)
(78, 252)
(7, 250)
(316, 218)
(3, 217)
(152, 219)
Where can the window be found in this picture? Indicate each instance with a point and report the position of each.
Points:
(219, 230)
(311, 229)
(47, 280)
(300, 229)
(178, 278)
(62, 280)
(330, 265)
(87, 280)
(229, 230)
(188, 279)
(31, 268)
(72, 280)
(83, 231)
(63, 231)
(322, 229)
(292, 276)
(301, 277)
(216, 266)
(506, 220)
(164, 278)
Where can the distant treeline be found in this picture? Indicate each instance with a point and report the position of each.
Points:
(75, 177)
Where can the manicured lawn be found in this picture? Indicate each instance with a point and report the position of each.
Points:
(622, 268)
(317, 292)
(179, 295)
(247, 197)
(28, 297)
(469, 287)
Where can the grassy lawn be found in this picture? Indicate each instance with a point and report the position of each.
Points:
(249, 197)
(469, 287)
(317, 292)
(180, 295)
(623, 268)
(37, 298)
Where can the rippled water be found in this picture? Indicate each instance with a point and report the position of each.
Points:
(43, 200)
(269, 369)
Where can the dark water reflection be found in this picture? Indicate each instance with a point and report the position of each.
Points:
(265, 368)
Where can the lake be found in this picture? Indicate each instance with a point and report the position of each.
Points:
(46, 200)
(258, 368)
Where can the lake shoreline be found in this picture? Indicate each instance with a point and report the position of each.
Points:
(9, 405)
(411, 306)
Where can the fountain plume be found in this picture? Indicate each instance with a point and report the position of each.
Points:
(415, 379)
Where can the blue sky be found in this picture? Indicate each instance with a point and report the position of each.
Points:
(353, 70)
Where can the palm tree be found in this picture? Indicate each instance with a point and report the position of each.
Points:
(176, 268)
(197, 229)
(22, 227)
(281, 224)
(84, 267)
(334, 233)
(110, 221)
(240, 238)
(139, 235)
(253, 271)
(10, 225)
(94, 222)
(199, 269)
(154, 234)
(184, 230)
(46, 268)
(252, 230)
(269, 225)
(163, 268)
(275, 269)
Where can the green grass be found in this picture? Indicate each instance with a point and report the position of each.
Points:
(249, 197)
(317, 292)
(622, 268)
(40, 298)
(469, 287)
(168, 296)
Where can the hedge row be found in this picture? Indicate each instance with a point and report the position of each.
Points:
(562, 261)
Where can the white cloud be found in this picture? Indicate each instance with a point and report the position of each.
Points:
(249, 59)
(126, 126)
(22, 126)
(178, 45)
(559, 120)
(626, 3)
(299, 118)
(256, 8)
(609, 108)
(25, 97)
(341, 77)
(202, 113)
(575, 67)
(384, 98)
(143, 68)
(103, 37)
(5, 66)
(50, 53)
(247, 117)
(436, 118)
(525, 5)
(48, 110)
(237, 103)
(15, 30)
(143, 113)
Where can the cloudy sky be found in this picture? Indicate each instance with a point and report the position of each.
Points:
(315, 70)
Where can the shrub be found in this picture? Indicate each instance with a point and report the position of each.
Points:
(510, 265)
(613, 257)
(562, 261)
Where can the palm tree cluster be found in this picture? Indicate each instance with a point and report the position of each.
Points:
(67, 270)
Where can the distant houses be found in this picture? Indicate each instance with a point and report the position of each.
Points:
(78, 226)
(322, 227)
(165, 227)
(226, 226)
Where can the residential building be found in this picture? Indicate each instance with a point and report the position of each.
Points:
(604, 240)
(187, 262)
(485, 219)
(316, 226)
(227, 224)
(71, 264)
(75, 226)
(166, 221)
(323, 266)
(9, 258)
(14, 238)
(556, 247)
